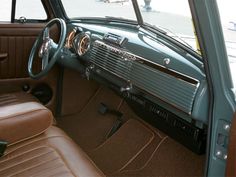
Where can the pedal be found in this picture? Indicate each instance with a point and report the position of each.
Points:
(103, 109)
(118, 123)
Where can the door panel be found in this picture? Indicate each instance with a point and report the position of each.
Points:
(16, 41)
(231, 160)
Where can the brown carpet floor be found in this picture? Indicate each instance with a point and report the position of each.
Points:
(88, 127)
(136, 149)
(127, 143)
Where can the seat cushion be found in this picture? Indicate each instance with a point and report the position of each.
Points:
(15, 98)
(23, 121)
(52, 153)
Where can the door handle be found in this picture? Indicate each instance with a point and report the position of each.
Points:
(3, 56)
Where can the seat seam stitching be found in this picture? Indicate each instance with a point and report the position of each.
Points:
(29, 143)
(63, 160)
(24, 161)
(34, 166)
(20, 154)
(49, 168)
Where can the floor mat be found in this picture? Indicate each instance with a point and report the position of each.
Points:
(123, 147)
(89, 128)
(169, 159)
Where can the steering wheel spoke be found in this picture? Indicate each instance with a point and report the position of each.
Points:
(46, 35)
(45, 60)
(53, 46)
(47, 49)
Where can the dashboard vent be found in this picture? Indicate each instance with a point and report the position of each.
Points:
(110, 59)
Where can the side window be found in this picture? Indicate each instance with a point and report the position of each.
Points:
(30, 9)
(5, 11)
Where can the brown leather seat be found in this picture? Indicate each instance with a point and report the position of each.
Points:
(15, 98)
(52, 153)
(36, 148)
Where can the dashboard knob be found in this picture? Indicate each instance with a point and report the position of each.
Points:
(166, 61)
(127, 88)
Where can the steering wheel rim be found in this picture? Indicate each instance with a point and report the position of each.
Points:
(47, 47)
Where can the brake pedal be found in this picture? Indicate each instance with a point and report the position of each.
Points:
(104, 109)
(117, 124)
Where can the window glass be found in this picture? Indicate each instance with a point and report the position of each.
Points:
(173, 16)
(5, 10)
(30, 9)
(99, 8)
(228, 21)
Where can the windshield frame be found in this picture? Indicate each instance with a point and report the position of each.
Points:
(137, 12)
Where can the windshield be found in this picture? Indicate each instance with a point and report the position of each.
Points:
(172, 16)
(99, 8)
(174, 19)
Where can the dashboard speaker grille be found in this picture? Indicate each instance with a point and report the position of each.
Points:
(177, 92)
(173, 88)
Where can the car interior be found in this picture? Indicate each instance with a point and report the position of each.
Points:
(95, 97)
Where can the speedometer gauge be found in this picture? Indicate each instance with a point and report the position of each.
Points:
(70, 38)
(83, 44)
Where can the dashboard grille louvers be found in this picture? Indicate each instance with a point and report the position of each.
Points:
(174, 90)
(177, 92)
(110, 60)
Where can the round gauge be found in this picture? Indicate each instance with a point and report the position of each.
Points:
(83, 44)
(70, 38)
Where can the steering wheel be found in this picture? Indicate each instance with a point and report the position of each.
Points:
(49, 51)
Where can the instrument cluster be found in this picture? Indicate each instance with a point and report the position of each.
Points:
(78, 41)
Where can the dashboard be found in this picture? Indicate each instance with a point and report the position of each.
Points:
(162, 82)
